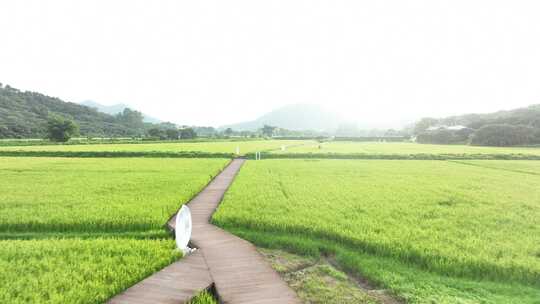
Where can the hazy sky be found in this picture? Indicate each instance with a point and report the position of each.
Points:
(217, 62)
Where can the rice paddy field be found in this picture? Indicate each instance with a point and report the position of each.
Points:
(429, 231)
(82, 230)
(77, 270)
(400, 148)
(208, 147)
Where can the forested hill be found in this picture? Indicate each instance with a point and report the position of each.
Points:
(529, 116)
(504, 128)
(24, 115)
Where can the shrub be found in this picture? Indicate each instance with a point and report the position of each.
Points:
(60, 129)
(444, 136)
(172, 134)
(505, 135)
(188, 133)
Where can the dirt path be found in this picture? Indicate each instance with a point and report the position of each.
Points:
(240, 274)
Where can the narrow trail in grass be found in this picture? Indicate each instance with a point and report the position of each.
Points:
(240, 274)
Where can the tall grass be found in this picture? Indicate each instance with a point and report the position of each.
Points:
(97, 195)
(406, 148)
(77, 271)
(394, 156)
(161, 149)
(449, 218)
(82, 230)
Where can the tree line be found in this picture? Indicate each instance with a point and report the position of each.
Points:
(61, 129)
(519, 127)
(26, 115)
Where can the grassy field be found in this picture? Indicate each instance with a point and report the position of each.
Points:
(317, 281)
(344, 147)
(430, 231)
(210, 147)
(97, 195)
(275, 149)
(528, 167)
(82, 230)
(77, 270)
(460, 231)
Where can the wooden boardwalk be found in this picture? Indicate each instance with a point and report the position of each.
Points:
(239, 273)
(176, 283)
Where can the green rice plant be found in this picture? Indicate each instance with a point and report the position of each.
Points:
(162, 149)
(95, 195)
(335, 155)
(204, 298)
(82, 230)
(75, 270)
(532, 168)
(116, 154)
(406, 282)
(404, 148)
(446, 218)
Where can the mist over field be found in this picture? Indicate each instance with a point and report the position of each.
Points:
(378, 64)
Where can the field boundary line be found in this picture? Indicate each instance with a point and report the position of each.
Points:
(493, 168)
(420, 156)
(116, 154)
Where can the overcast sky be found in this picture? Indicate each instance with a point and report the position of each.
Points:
(218, 62)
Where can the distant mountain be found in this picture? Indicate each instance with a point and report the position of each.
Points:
(115, 109)
(25, 114)
(111, 110)
(298, 117)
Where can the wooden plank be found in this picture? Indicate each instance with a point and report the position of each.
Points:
(176, 283)
(239, 273)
